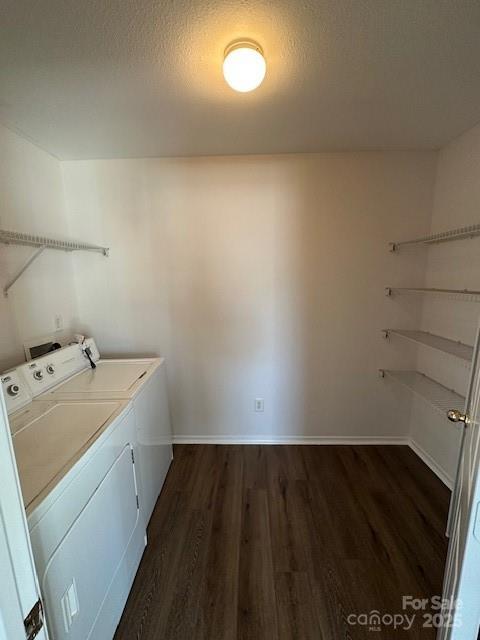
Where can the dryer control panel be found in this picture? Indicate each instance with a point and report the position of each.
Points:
(26, 382)
(42, 374)
(15, 390)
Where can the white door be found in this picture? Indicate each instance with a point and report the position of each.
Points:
(18, 581)
(461, 586)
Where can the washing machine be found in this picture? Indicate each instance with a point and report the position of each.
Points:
(77, 372)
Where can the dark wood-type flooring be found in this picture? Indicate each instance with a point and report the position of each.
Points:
(286, 542)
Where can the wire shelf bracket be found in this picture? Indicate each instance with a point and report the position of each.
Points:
(41, 243)
(461, 233)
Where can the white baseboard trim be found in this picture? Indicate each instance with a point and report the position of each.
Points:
(431, 463)
(312, 440)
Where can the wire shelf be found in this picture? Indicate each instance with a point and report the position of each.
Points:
(445, 236)
(440, 397)
(461, 292)
(30, 240)
(452, 347)
(41, 243)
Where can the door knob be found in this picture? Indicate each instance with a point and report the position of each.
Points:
(454, 415)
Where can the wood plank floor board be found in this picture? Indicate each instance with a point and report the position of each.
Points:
(335, 603)
(203, 483)
(396, 525)
(287, 532)
(218, 607)
(296, 612)
(257, 611)
(255, 466)
(336, 508)
(404, 552)
(423, 487)
(182, 603)
(424, 509)
(287, 542)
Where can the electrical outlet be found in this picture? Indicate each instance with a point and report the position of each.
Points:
(58, 322)
(259, 404)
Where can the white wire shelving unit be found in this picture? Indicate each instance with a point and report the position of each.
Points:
(462, 233)
(452, 347)
(41, 243)
(434, 393)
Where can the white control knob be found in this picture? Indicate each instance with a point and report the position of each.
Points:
(50, 369)
(13, 390)
(38, 374)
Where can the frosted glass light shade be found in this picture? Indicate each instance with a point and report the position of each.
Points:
(244, 66)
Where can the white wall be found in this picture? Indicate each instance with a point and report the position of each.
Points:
(451, 265)
(257, 277)
(32, 200)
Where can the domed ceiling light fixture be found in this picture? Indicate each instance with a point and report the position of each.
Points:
(244, 65)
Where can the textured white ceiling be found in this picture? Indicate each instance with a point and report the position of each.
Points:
(126, 78)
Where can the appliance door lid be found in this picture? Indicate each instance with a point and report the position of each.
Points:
(47, 447)
(107, 380)
(79, 580)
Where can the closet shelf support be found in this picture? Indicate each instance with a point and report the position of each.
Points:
(31, 259)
